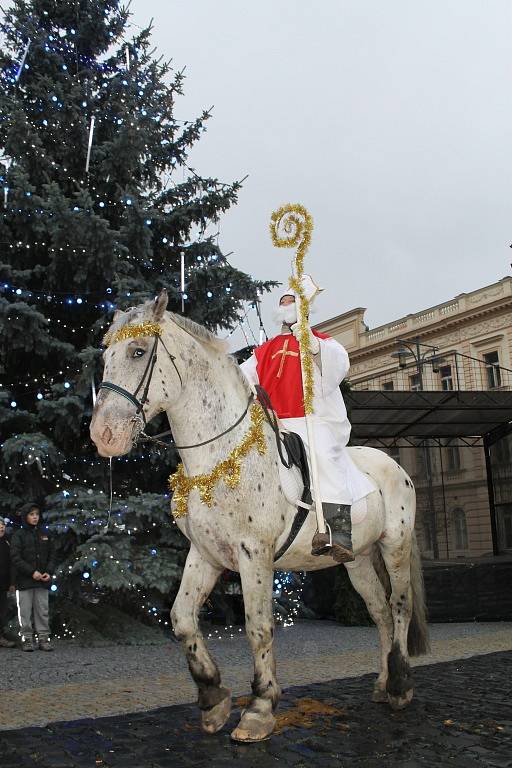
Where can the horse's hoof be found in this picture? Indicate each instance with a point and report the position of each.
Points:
(254, 727)
(401, 702)
(379, 695)
(212, 720)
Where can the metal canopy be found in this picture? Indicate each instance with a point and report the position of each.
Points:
(391, 414)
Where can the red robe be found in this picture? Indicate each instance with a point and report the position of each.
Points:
(279, 373)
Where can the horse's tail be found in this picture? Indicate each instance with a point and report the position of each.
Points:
(418, 642)
(417, 638)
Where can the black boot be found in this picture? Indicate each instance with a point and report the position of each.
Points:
(337, 518)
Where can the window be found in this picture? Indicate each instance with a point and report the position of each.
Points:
(421, 464)
(445, 373)
(504, 515)
(500, 451)
(388, 386)
(394, 453)
(453, 458)
(428, 538)
(492, 365)
(414, 383)
(460, 528)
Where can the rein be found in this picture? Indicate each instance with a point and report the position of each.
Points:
(139, 417)
(154, 438)
(270, 415)
(139, 404)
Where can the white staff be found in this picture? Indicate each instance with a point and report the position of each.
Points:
(297, 225)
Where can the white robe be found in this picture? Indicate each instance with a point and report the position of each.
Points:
(341, 482)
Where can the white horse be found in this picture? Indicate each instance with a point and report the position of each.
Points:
(186, 372)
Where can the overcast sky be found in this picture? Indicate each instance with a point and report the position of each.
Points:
(390, 121)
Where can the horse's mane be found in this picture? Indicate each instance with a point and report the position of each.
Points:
(203, 335)
(240, 374)
(199, 332)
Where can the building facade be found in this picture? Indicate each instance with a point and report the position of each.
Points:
(462, 344)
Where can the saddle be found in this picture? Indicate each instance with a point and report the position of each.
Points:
(294, 471)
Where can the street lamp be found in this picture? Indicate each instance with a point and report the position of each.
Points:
(420, 353)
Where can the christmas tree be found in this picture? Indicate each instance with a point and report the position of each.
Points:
(101, 209)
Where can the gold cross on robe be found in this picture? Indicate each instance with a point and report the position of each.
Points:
(284, 352)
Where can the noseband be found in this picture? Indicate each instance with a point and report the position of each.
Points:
(139, 418)
(145, 382)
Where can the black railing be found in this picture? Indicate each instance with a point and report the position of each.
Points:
(450, 371)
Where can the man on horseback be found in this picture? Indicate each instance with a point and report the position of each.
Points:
(276, 367)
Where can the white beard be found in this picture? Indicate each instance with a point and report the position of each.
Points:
(286, 314)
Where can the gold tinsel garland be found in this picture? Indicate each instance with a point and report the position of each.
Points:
(298, 225)
(227, 470)
(132, 332)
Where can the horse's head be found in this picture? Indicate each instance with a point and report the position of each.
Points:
(135, 385)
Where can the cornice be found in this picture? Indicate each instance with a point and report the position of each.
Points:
(465, 318)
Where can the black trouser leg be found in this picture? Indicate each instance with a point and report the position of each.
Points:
(3, 611)
(338, 517)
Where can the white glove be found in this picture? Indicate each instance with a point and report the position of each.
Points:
(314, 343)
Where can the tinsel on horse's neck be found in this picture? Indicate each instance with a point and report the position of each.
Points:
(213, 398)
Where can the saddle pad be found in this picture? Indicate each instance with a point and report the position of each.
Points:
(291, 483)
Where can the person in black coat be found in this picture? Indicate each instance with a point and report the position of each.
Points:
(33, 558)
(5, 584)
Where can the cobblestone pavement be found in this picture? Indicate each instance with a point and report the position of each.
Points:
(461, 716)
(74, 682)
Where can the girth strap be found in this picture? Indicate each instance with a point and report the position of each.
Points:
(298, 522)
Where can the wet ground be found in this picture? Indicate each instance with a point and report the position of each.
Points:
(75, 682)
(461, 716)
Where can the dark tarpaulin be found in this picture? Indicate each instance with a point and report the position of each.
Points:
(388, 414)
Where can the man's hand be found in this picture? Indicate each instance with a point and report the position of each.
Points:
(45, 577)
(314, 344)
(37, 576)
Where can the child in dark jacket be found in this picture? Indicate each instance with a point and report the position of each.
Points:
(5, 584)
(33, 558)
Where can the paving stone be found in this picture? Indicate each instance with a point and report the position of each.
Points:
(76, 682)
(452, 722)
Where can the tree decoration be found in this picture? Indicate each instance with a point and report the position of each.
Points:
(89, 144)
(98, 202)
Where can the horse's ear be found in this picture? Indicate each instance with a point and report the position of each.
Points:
(160, 304)
(117, 315)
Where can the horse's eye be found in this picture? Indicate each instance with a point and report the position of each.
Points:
(139, 352)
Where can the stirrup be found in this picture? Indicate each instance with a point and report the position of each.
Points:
(323, 546)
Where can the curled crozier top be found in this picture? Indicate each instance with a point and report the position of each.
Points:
(291, 227)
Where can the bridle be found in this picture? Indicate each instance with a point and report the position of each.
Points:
(139, 418)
